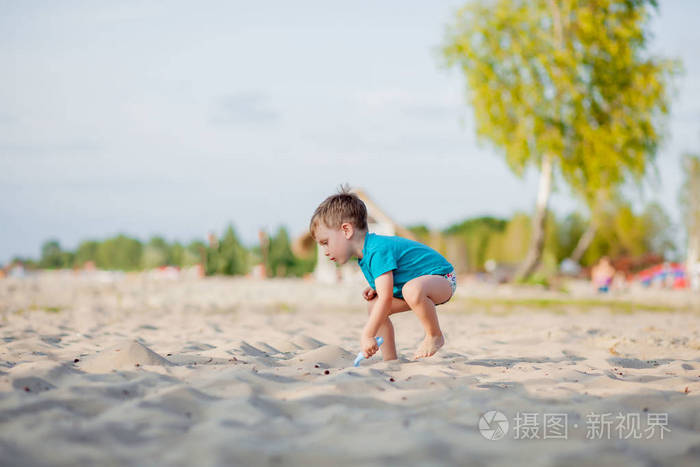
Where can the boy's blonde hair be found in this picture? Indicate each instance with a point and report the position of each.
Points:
(339, 208)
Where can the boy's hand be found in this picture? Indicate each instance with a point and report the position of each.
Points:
(369, 346)
(369, 293)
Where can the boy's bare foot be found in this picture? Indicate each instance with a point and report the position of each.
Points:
(429, 346)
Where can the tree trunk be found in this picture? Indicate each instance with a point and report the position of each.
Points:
(693, 225)
(534, 254)
(583, 243)
(539, 221)
(692, 262)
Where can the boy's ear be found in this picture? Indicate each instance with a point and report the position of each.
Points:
(348, 229)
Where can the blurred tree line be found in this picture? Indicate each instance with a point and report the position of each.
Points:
(622, 232)
(224, 254)
(469, 245)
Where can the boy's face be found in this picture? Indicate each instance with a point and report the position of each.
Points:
(335, 242)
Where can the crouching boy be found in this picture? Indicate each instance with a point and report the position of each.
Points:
(402, 274)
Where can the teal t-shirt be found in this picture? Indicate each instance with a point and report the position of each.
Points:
(407, 258)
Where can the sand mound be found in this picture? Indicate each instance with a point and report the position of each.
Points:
(327, 356)
(127, 355)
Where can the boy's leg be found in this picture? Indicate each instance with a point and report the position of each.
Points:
(421, 294)
(386, 330)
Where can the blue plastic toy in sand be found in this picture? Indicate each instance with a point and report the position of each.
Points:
(361, 356)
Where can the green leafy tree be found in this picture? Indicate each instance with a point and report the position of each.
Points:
(156, 253)
(280, 257)
(303, 266)
(511, 245)
(195, 253)
(230, 257)
(563, 85)
(596, 207)
(176, 253)
(281, 260)
(476, 233)
(86, 251)
(53, 257)
(622, 232)
(120, 253)
(211, 263)
(571, 230)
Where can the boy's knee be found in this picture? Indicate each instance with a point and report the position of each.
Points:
(413, 293)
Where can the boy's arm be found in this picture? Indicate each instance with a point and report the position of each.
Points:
(385, 290)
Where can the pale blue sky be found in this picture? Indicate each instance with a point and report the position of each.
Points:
(176, 118)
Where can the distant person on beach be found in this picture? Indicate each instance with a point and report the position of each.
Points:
(402, 274)
(602, 274)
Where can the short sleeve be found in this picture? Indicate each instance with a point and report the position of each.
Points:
(382, 261)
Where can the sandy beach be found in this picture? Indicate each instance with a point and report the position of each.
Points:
(135, 370)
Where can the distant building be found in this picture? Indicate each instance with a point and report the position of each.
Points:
(326, 270)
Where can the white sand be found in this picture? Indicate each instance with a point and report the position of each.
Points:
(233, 371)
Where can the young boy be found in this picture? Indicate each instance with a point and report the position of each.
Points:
(402, 274)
